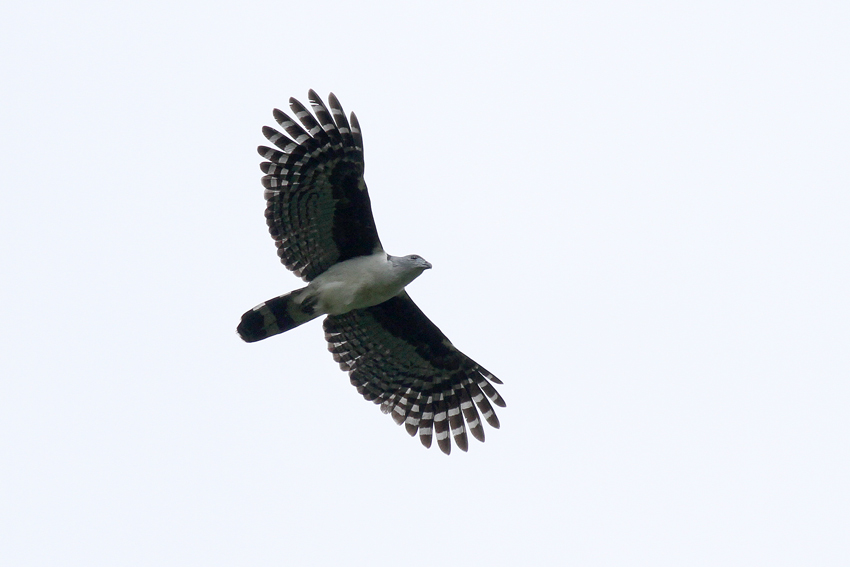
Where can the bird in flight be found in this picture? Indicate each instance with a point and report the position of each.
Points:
(320, 217)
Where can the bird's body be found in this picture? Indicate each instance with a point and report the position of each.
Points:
(363, 281)
(320, 216)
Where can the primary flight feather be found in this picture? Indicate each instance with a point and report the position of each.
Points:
(320, 217)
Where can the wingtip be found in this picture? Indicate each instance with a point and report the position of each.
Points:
(462, 444)
(477, 432)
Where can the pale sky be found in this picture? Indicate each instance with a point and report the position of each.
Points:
(637, 215)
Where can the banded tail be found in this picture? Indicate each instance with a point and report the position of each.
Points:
(277, 315)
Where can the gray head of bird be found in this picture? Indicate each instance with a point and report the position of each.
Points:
(411, 264)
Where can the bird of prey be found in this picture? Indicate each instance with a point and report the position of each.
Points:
(320, 217)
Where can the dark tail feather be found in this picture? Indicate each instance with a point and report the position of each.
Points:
(277, 315)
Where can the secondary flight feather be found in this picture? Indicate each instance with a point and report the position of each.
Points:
(319, 214)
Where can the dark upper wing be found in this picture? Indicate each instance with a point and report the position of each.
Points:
(318, 209)
(397, 357)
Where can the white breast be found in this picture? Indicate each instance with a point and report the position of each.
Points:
(357, 283)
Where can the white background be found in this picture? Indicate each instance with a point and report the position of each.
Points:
(637, 214)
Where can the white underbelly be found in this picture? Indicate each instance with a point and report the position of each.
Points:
(337, 298)
(355, 284)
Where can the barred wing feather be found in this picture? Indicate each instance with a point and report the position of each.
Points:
(317, 206)
(397, 357)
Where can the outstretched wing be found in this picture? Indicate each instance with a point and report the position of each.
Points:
(397, 357)
(318, 209)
